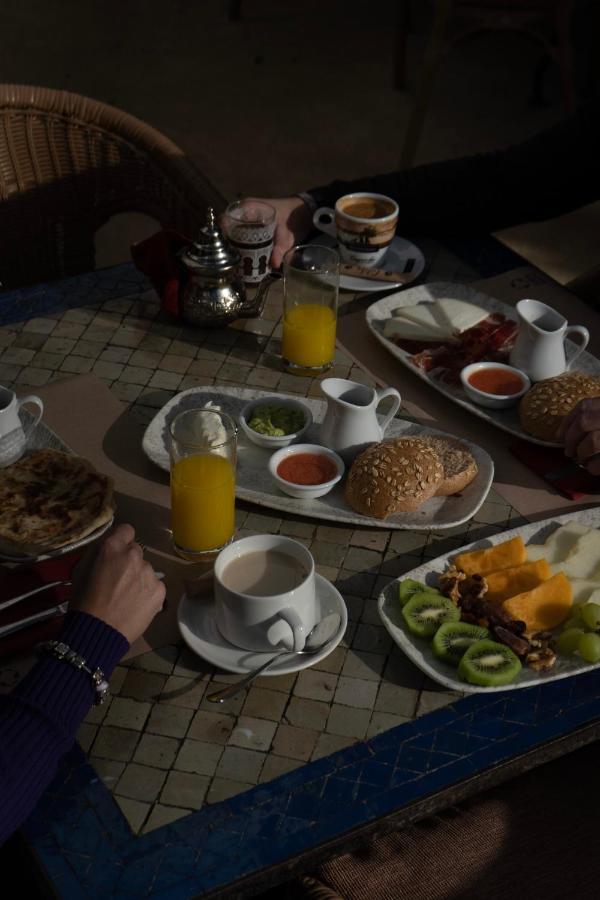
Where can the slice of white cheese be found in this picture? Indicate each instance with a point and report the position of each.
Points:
(412, 331)
(457, 315)
(426, 315)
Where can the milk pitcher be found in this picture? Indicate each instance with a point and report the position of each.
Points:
(351, 423)
(539, 350)
(13, 437)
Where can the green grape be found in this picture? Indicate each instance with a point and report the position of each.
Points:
(568, 641)
(589, 647)
(572, 623)
(590, 613)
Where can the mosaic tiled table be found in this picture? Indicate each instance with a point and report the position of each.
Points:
(166, 795)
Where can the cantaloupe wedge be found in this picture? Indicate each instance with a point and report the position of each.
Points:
(502, 556)
(545, 606)
(507, 582)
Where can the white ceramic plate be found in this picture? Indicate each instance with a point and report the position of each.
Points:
(254, 483)
(396, 258)
(507, 419)
(420, 652)
(40, 438)
(196, 620)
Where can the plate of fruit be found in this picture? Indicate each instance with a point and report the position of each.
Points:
(518, 609)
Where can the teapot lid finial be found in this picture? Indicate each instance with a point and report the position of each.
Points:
(211, 250)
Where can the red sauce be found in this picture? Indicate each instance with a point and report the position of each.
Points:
(307, 468)
(496, 381)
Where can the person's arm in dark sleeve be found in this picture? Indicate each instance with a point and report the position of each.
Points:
(550, 174)
(40, 718)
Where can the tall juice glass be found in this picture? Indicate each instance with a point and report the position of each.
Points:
(311, 279)
(203, 457)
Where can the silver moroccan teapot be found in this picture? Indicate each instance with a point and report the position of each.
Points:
(213, 292)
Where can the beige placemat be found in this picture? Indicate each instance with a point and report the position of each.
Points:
(519, 486)
(84, 413)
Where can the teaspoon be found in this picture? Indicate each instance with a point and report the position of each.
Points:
(321, 635)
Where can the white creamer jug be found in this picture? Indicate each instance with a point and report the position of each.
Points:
(350, 423)
(540, 346)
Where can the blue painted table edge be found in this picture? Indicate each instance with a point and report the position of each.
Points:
(113, 282)
(86, 848)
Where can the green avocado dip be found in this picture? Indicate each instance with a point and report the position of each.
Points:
(276, 421)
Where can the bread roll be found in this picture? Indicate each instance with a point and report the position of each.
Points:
(394, 476)
(458, 463)
(543, 408)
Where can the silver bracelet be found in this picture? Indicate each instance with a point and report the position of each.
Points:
(62, 651)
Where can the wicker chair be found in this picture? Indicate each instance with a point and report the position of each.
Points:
(69, 163)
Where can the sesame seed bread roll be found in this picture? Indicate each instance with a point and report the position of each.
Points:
(458, 463)
(543, 408)
(394, 476)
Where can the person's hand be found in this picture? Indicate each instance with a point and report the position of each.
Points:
(580, 432)
(122, 588)
(294, 222)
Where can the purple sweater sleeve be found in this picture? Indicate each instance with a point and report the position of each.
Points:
(40, 718)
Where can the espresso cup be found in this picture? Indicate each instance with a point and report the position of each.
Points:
(265, 596)
(363, 224)
(13, 437)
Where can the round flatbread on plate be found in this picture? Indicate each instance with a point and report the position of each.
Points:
(51, 499)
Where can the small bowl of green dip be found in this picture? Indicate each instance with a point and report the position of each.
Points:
(274, 422)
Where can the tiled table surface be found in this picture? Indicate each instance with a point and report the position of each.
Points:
(159, 746)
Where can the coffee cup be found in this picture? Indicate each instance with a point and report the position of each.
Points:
(265, 595)
(363, 224)
(13, 437)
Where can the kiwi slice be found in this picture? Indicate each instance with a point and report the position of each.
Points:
(489, 664)
(453, 639)
(425, 612)
(409, 587)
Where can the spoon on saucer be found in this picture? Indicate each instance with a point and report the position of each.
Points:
(318, 638)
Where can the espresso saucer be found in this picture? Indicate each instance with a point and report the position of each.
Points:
(196, 620)
(396, 259)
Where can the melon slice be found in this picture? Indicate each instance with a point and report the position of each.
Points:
(559, 544)
(544, 607)
(502, 556)
(583, 588)
(507, 582)
(537, 551)
(584, 559)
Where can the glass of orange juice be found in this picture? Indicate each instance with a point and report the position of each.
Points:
(311, 280)
(203, 457)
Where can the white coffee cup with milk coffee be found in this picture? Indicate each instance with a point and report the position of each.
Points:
(265, 594)
(13, 436)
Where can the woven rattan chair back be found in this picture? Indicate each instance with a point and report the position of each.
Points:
(69, 163)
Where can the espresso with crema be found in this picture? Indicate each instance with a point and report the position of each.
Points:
(264, 573)
(366, 207)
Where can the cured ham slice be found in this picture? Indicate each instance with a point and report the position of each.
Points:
(492, 339)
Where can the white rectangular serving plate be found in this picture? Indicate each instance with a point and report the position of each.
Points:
(507, 419)
(420, 652)
(254, 483)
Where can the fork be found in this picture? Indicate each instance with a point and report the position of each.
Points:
(38, 590)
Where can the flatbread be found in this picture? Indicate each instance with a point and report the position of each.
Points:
(50, 499)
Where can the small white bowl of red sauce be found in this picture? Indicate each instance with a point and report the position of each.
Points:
(493, 384)
(306, 471)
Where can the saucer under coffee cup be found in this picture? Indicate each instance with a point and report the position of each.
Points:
(265, 595)
(364, 225)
